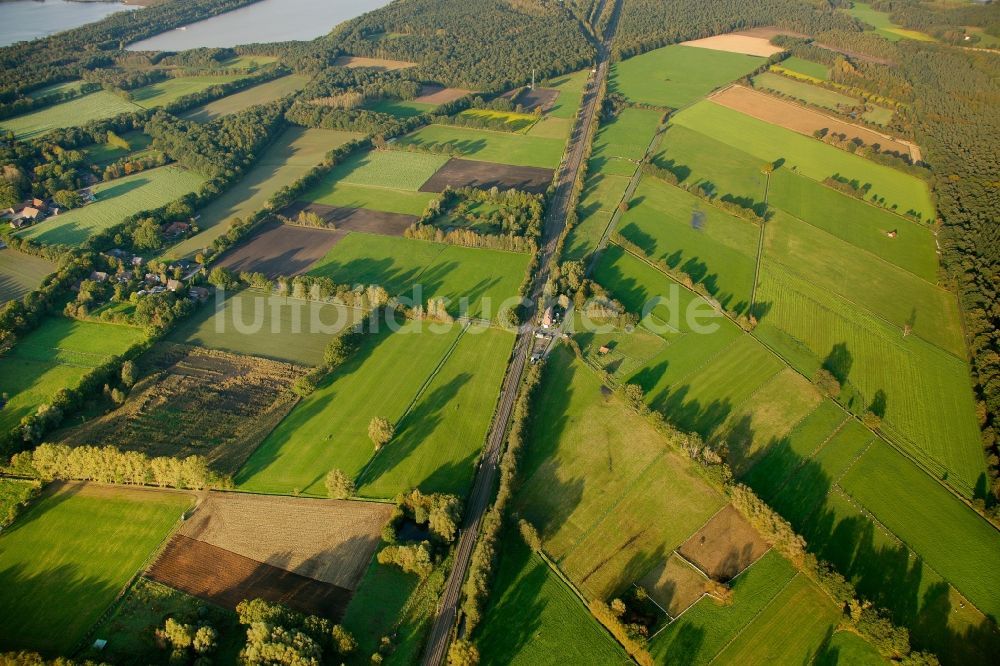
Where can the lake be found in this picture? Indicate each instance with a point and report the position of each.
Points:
(264, 21)
(28, 19)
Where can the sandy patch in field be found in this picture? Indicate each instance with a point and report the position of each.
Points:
(803, 120)
(439, 95)
(725, 546)
(674, 585)
(354, 62)
(736, 43)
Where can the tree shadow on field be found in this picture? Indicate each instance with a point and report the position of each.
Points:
(680, 647)
(839, 362)
(414, 430)
(691, 415)
(882, 570)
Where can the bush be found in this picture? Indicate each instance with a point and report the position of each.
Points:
(339, 485)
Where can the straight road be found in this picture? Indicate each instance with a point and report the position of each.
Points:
(486, 477)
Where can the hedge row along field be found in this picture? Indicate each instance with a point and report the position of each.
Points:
(812, 158)
(71, 553)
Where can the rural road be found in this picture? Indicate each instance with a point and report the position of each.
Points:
(486, 477)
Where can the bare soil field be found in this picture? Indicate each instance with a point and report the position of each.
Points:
(674, 585)
(801, 119)
(327, 540)
(281, 249)
(737, 43)
(381, 64)
(439, 95)
(484, 175)
(197, 402)
(225, 578)
(725, 545)
(347, 219)
(544, 98)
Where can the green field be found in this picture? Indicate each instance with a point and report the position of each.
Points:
(883, 289)
(103, 154)
(878, 115)
(437, 443)
(55, 355)
(861, 224)
(21, 273)
(329, 428)
(698, 635)
(676, 76)
(271, 326)
(405, 108)
(332, 192)
(170, 90)
(808, 67)
(392, 169)
(923, 391)
(116, 200)
(622, 142)
(595, 477)
(884, 25)
(80, 111)
(517, 122)
(286, 159)
(698, 159)
(68, 556)
(931, 521)
(65, 86)
(790, 630)
(474, 281)
(713, 247)
(598, 201)
(570, 87)
(804, 92)
(244, 99)
(806, 155)
(534, 618)
(487, 146)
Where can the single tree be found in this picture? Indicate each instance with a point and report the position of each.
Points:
(338, 484)
(381, 431)
(130, 374)
(827, 383)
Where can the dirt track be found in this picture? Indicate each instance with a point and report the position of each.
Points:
(484, 175)
(801, 119)
(226, 579)
(281, 249)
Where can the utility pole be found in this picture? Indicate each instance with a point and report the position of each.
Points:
(532, 78)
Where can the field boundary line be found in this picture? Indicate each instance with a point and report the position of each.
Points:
(416, 396)
(791, 431)
(754, 618)
(812, 454)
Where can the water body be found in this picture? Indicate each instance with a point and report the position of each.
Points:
(27, 19)
(264, 21)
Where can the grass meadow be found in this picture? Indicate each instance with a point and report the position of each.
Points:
(257, 324)
(884, 25)
(405, 108)
(438, 441)
(698, 635)
(55, 355)
(622, 142)
(80, 111)
(676, 76)
(21, 273)
(570, 87)
(534, 618)
(861, 224)
(806, 155)
(808, 67)
(474, 281)
(789, 630)
(329, 428)
(698, 159)
(931, 521)
(391, 169)
(834, 266)
(170, 90)
(602, 192)
(922, 391)
(594, 478)
(711, 246)
(803, 92)
(116, 200)
(285, 160)
(244, 99)
(70, 554)
(489, 146)
(333, 192)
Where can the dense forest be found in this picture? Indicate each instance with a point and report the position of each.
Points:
(648, 24)
(481, 44)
